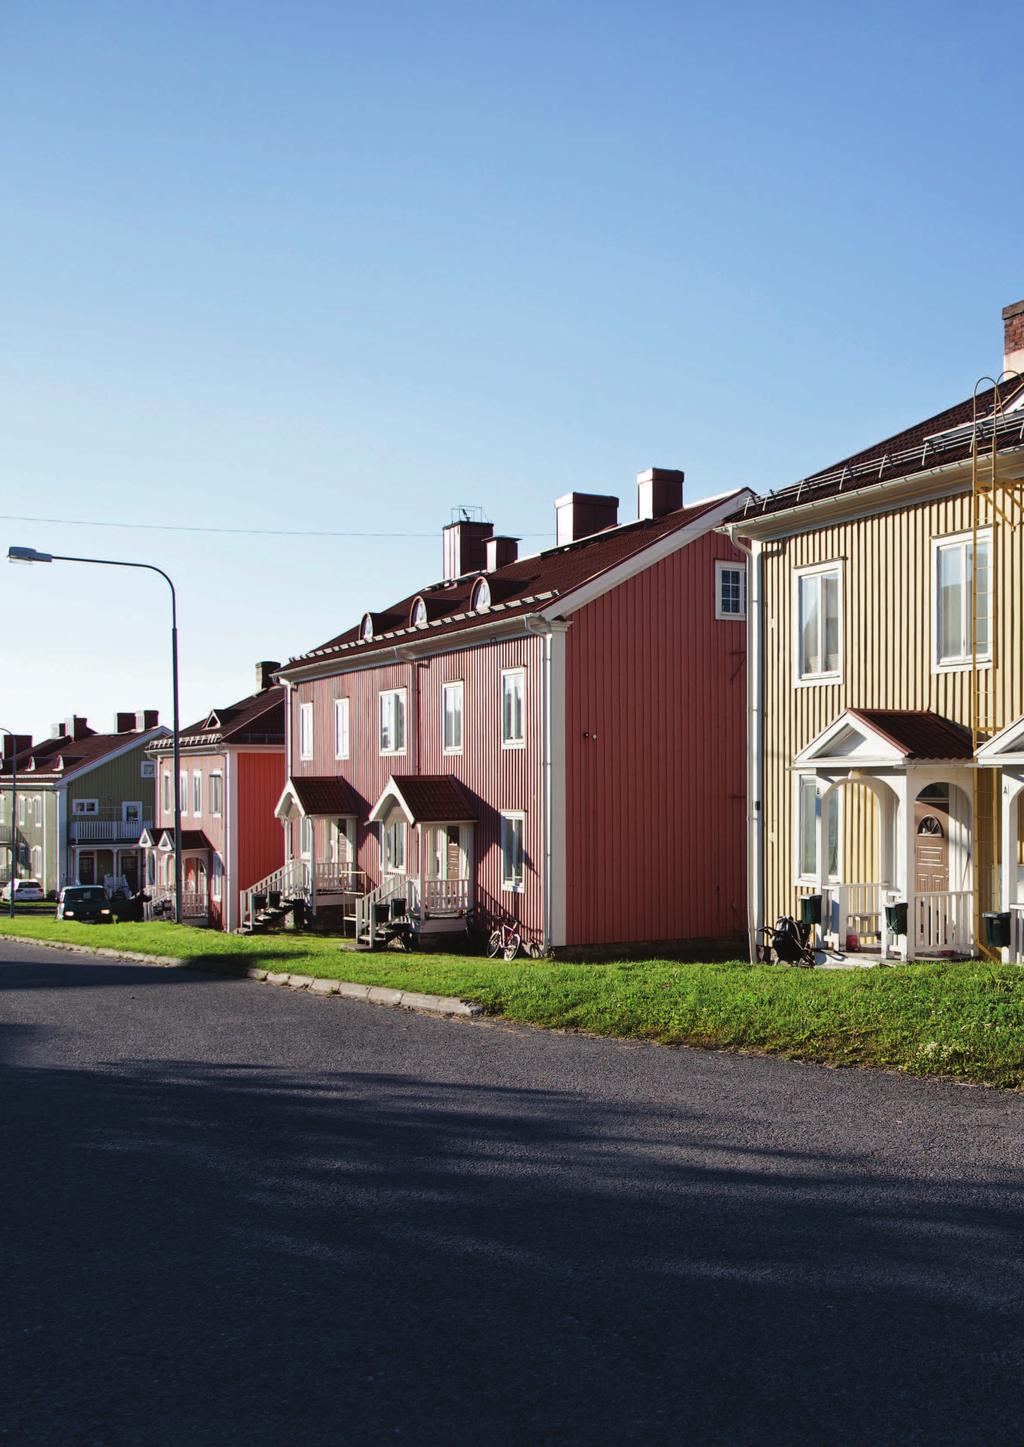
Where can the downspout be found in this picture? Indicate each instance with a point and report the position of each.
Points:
(755, 740)
(543, 629)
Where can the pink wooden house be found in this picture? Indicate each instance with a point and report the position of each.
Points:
(555, 740)
(232, 770)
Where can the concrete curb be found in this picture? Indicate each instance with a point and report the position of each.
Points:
(313, 984)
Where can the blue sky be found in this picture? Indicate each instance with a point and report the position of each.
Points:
(336, 268)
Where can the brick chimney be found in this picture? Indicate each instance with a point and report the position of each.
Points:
(75, 727)
(465, 547)
(659, 490)
(125, 723)
(581, 514)
(16, 744)
(264, 675)
(1013, 337)
(501, 550)
(146, 719)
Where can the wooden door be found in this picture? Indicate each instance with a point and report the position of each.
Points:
(931, 842)
(454, 853)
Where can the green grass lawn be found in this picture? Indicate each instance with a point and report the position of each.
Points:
(955, 1019)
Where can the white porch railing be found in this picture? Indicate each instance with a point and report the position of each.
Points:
(445, 896)
(855, 912)
(194, 905)
(339, 878)
(944, 922)
(1017, 934)
(290, 881)
(393, 886)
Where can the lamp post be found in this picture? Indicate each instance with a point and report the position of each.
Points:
(30, 555)
(14, 810)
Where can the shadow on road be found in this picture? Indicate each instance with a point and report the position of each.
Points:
(240, 1255)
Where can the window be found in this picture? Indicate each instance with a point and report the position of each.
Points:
(37, 863)
(150, 867)
(305, 731)
(184, 791)
(418, 616)
(131, 811)
(38, 811)
(807, 831)
(85, 806)
(451, 718)
(512, 827)
(216, 794)
(341, 741)
(167, 790)
(366, 627)
(392, 721)
(306, 836)
(393, 845)
(197, 793)
(21, 810)
(147, 769)
(512, 689)
(730, 590)
(481, 599)
(217, 878)
(818, 622)
(954, 600)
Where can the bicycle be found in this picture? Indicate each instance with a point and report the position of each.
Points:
(505, 940)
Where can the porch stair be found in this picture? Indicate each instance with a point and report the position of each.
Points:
(376, 913)
(288, 884)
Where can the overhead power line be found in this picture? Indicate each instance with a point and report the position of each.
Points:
(246, 532)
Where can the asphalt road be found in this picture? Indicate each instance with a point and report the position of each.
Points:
(234, 1214)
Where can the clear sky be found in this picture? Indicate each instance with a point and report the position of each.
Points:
(334, 268)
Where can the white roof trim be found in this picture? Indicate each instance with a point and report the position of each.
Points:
(391, 792)
(850, 742)
(1005, 747)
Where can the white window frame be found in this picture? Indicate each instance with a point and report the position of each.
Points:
(510, 884)
(197, 793)
(342, 727)
(21, 811)
(514, 741)
(722, 566)
(305, 731)
(392, 694)
(36, 863)
(168, 790)
(216, 812)
(184, 791)
(832, 675)
(801, 875)
(306, 839)
(38, 810)
(393, 832)
(147, 769)
(457, 688)
(135, 804)
(963, 662)
(217, 879)
(82, 808)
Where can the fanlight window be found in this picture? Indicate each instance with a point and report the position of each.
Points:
(931, 826)
(366, 627)
(481, 595)
(418, 616)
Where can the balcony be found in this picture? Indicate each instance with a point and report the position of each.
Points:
(106, 828)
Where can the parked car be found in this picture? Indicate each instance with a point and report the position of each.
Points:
(24, 889)
(87, 903)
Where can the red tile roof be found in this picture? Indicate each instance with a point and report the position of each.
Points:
(434, 798)
(325, 795)
(54, 758)
(919, 734)
(190, 839)
(258, 719)
(945, 438)
(518, 588)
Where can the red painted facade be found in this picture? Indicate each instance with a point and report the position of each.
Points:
(655, 758)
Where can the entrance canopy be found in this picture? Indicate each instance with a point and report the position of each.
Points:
(1006, 749)
(424, 799)
(318, 797)
(886, 739)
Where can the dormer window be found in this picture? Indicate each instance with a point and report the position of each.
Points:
(418, 615)
(366, 627)
(481, 599)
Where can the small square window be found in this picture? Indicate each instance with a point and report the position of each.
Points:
(730, 590)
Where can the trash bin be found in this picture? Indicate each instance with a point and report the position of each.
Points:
(259, 903)
(810, 909)
(896, 917)
(996, 929)
(274, 898)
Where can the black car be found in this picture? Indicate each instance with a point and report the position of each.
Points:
(86, 903)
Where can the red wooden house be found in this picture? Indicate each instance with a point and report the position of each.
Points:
(232, 770)
(556, 740)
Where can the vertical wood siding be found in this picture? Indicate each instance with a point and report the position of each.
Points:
(887, 626)
(655, 758)
(260, 844)
(495, 779)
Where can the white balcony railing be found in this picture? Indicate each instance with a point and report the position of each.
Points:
(943, 922)
(445, 896)
(107, 831)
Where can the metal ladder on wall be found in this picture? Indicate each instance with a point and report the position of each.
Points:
(997, 504)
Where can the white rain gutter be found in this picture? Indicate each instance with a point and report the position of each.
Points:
(755, 739)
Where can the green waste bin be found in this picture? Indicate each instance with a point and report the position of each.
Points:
(896, 917)
(810, 909)
(996, 929)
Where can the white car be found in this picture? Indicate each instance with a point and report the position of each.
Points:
(24, 889)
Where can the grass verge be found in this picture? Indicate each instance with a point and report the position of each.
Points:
(964, 1020)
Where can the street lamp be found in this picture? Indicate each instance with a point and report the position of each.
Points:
(14, 810)
(30, 555)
